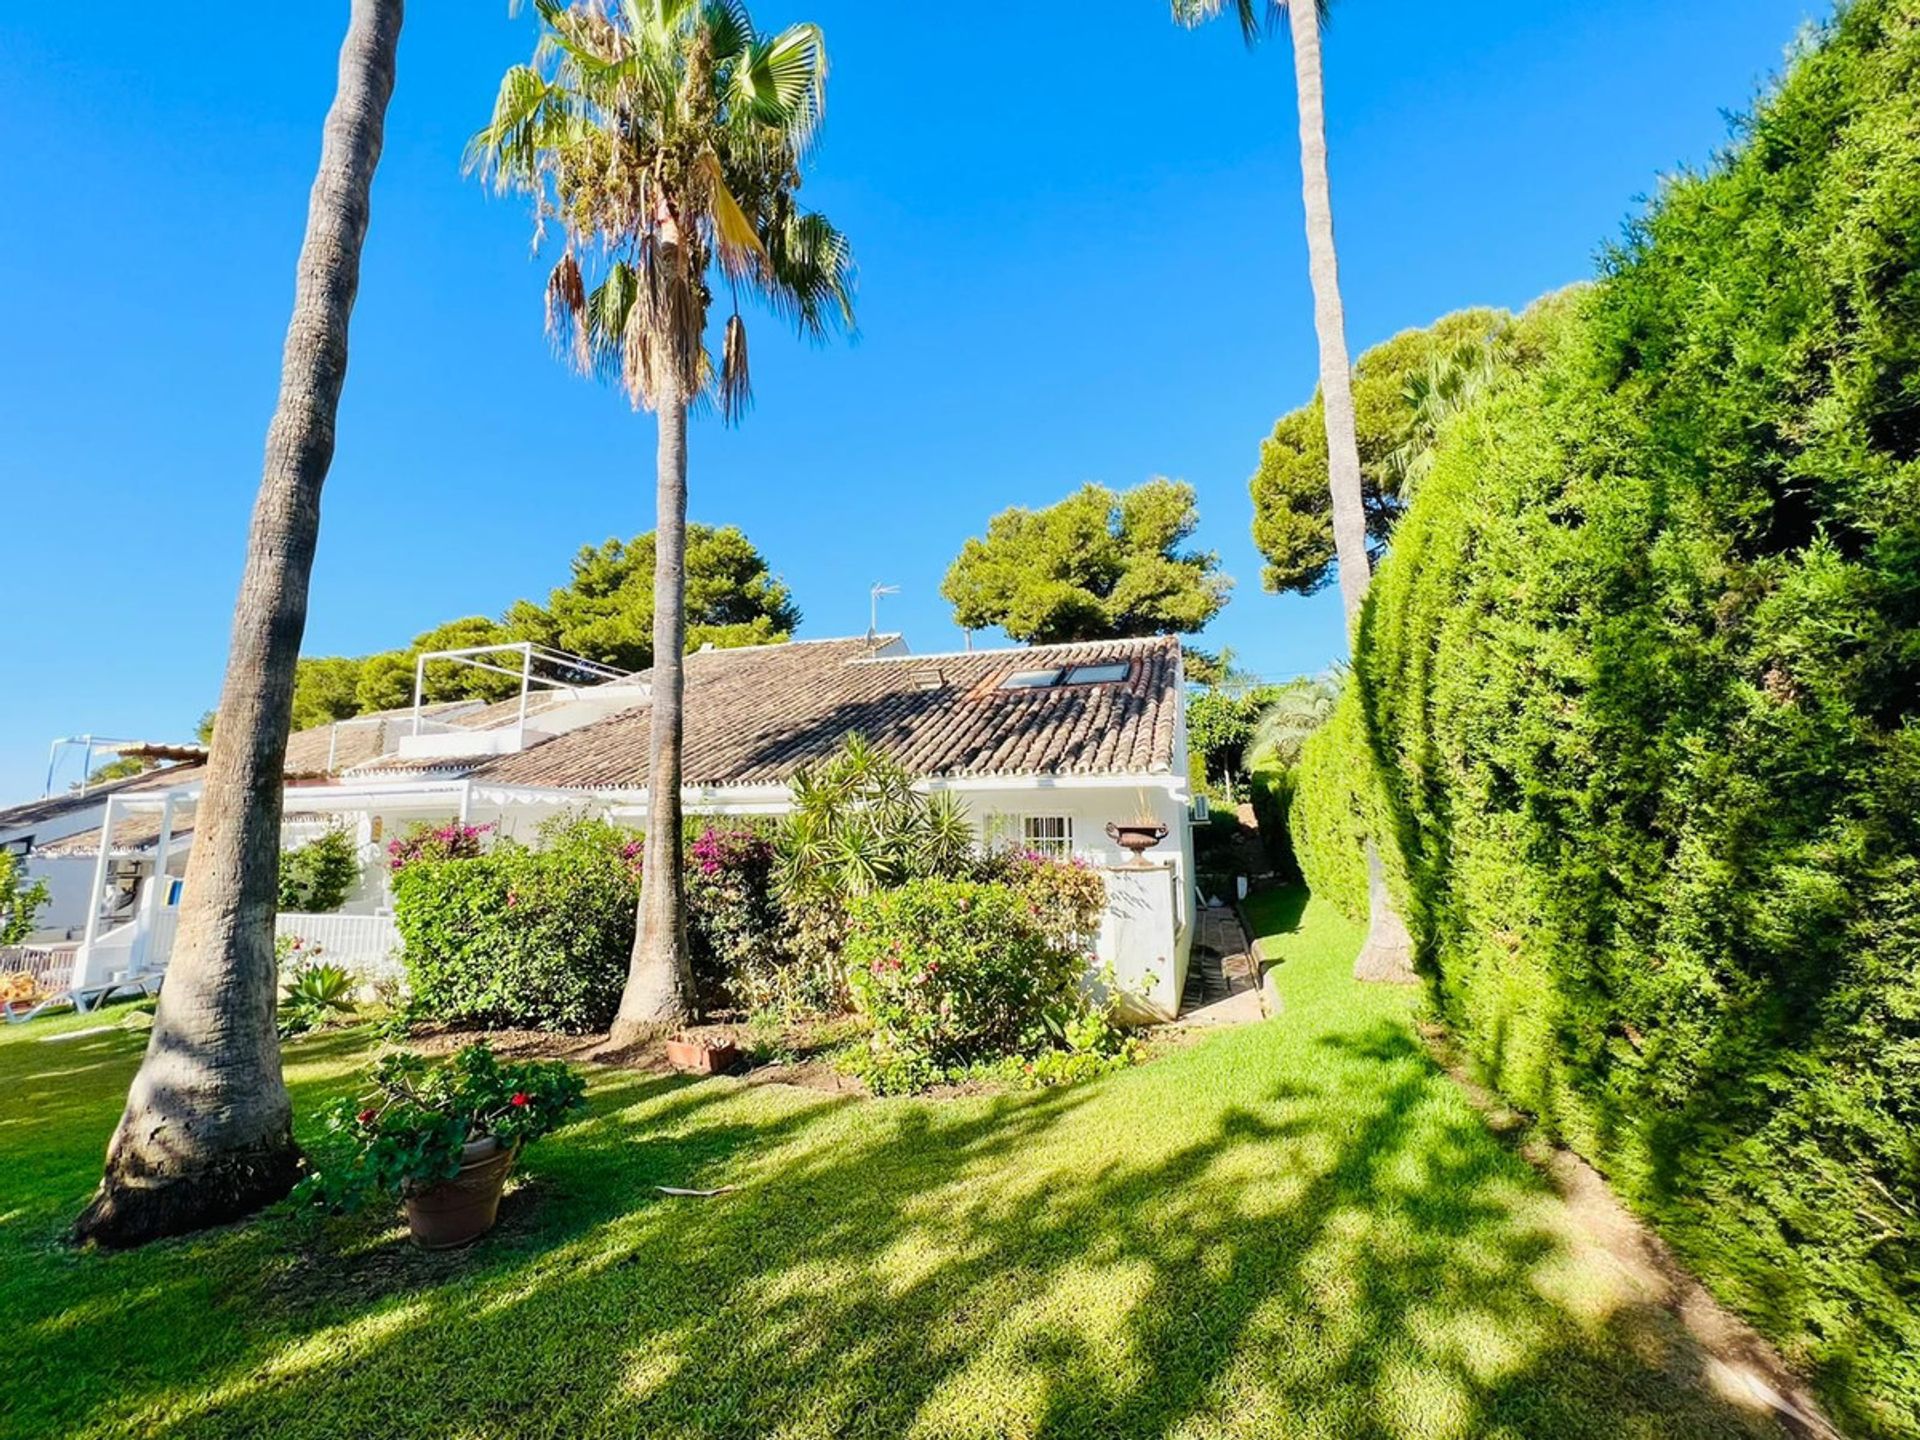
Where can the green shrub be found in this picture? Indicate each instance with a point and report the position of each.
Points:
(1270, 788)
(951, 973)
(1642, 678)
(522, 937)
(1329, 814)
(1067, 897)
(748, 952)
(317, 877)
(19, 901)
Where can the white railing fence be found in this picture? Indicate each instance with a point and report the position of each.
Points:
(369, 944)
(50, 966)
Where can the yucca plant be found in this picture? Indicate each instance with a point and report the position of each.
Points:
(664, 141)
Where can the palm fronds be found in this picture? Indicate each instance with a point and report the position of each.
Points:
(1256, 17)
(1292, 716)
(665, 139)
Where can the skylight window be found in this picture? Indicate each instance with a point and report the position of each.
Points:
(1104, 674)
(1031, 680)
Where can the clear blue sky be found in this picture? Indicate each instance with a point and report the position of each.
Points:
(1081, 259)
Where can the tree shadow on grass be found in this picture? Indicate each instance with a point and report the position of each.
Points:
(1267, 1235)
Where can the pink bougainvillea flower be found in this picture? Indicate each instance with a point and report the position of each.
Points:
(520, 1098)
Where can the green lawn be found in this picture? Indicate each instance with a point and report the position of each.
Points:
(1296, 1229)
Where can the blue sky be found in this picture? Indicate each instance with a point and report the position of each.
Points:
(1081, 259)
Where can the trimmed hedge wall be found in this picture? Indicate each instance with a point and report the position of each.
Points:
(1641, 677)
(1327, 818)
(520, 936)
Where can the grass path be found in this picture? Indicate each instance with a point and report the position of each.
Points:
(1289, 1230)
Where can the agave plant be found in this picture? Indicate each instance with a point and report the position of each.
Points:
(313, 994)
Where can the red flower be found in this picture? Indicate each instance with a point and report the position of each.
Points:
(519, 1098)
(367, 1117)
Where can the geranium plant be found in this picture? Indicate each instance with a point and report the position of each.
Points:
(407, 1131)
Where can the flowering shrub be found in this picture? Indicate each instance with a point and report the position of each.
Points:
(406, 1131)
(750, 950)
(1067, 897)
(520, 937)
(425, 840)
(952, 973)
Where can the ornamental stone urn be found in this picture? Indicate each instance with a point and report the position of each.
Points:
(1136, 836)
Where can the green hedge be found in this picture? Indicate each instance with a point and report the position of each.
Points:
(1270, 789)
(1328, 815)
(1642, 678)
(519, 936)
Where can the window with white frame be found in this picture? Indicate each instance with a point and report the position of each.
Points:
(1048, 834)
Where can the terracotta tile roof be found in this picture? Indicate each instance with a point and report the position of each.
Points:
(361, 739)
(754, 716)
(135, 831)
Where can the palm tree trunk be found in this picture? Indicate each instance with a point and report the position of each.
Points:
(658, 996)
(207, 1135)
(1388, 953)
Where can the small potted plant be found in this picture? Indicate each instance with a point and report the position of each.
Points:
(1140, 833)
(441, 1136)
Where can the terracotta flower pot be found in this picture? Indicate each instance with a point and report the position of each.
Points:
(1136, 836)
(459, 1211)
(697, 1057)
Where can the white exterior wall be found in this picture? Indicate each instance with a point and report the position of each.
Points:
(1147, 936)
(69, 881)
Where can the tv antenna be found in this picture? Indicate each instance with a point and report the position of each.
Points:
(873, 607)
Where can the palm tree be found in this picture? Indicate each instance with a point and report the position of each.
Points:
(664, 139)
(1299, 709)
(1451, 382)
(207, 1133)
(1388, 952)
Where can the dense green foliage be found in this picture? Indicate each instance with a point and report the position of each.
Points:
(1291, 1231)
(1333, 806)
(1095, 566)
(522, 936)
(952, 973)
(745, 954)
(604, 613)
(1270, 789)
(1220, 724)
(19, 900)
(123, 767)
(317, 877)
(405, 1131)
(1394, 385)
(1642, 674)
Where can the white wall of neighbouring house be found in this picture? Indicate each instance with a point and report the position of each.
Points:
(69, 883)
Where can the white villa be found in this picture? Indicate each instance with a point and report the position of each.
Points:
(1046, 746)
